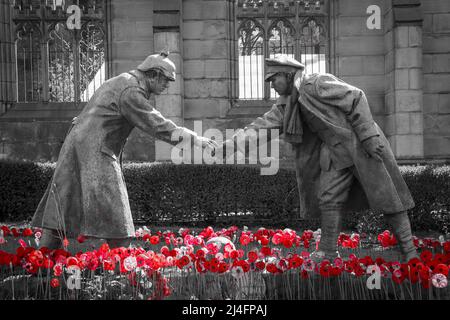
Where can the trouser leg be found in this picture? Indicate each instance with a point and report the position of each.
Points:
(401, 228)
(51, 239)
(333, 194)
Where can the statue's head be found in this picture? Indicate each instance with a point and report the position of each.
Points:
(280, 71)
(158, 71)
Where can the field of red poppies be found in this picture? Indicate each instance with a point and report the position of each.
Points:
(228, 263)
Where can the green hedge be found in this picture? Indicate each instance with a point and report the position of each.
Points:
(221, 195)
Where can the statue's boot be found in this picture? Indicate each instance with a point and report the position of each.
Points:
(50, 239)
(331, 227)
(401, 229)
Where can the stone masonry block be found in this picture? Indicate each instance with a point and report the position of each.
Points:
(373, 65)
(360, 45)
(441, 22)
(444, 104)
(436, 146)
(205, 108)
(203, 88)
(204, 49)
(415, 36)
(430, 103)
(415, 79)
(435, 83)
(169, 105)
(205, 30)
(351, 65)
(427, 63)
(408, 58)
(401, 37)
(416, 122)
(402, 123)
(408, 100)
(401, 79)
(167, 40)
(436, 44)
(409, 146)
(441, 62)
(199, 10)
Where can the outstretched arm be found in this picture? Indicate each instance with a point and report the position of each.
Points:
(272, 119)
(138, 110)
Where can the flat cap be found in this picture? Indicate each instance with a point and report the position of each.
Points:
(282, 63)
(159, 61)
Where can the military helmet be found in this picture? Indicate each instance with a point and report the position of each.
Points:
(282, 63)
(159, 62)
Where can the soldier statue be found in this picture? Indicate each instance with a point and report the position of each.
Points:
(341, 154)
(87, 193)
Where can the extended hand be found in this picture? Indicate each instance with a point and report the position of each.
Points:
(373, 148)
(205, 143)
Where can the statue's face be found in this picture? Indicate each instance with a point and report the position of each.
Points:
(279, 83)
(158, 84)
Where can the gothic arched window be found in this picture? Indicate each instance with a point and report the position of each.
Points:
(251, 60)
(57, 61)
(29, 63)
(295, 28)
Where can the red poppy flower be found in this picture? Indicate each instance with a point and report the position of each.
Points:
(109, 264)
(6, 230)
(72, 261)
(398, 277)
(57, 270)
(304, 274)
(441, 268)
(440, 258)
(446, 246)
(244, 265)
(266, 251)
(223, 267)
(27, 232)
(244, 240)
(270, 267)
(65, 243)
(154, 240)
(426, 256)
(414, 262)
(234, 254)
(260, 265)
(15, 232)
(324, 269)
(81, 238)
(214, 268)
(264, 240)
(54, 283)
(295, 262)
(335, 271)
(252, 256)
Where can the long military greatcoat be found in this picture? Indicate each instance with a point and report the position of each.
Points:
(342, 113)
(87, 194)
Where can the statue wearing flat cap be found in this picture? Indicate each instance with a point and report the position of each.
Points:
(343, 160)
(87, 194)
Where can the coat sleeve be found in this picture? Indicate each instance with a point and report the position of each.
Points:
(351, 101)
(272, 119)
(138, 110)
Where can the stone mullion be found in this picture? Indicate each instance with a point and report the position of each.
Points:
(44, 61)
(76, 60)
(297, 53)
(266, 48)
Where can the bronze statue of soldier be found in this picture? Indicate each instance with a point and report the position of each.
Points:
(87, 193)
(337, 145)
